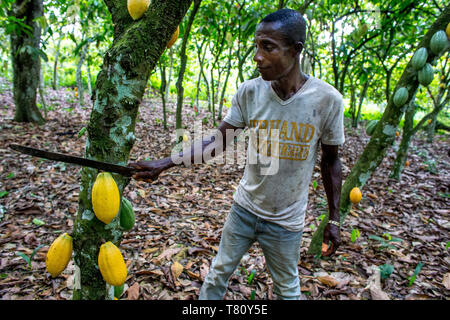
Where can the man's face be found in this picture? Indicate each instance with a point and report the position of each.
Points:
(274, 58)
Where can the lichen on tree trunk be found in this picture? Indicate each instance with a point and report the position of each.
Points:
(384, 134)
(119, 89)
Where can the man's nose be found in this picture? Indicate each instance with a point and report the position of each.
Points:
(257, 57)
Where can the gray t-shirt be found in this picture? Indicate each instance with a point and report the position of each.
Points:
(283, 141)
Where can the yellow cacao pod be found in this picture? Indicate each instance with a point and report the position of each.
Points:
(111, 264)
(174, 38)
(59, 254)
(355, 195)
(136, 8)
(105, 197)
(447, 30)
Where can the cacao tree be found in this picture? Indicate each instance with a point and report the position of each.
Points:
(119, 88)
(183, 57)
(384, 134)
(439, 101)
(25, 56)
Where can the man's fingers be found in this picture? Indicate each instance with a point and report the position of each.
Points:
(331, 250)
(328, 251)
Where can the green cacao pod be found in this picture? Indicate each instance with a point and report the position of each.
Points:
(401, 96)
(118, 290)
(438, 41)
(419, 59)
(127, 217)
(426, 75)
(370, 127)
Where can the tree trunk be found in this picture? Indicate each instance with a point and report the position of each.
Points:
(408, 133)
(183, 62)
(361, 99)
(55, 65)
(169, 78)
(83, 52)
(162, 90)
(197, 92)
(353, 102)
(383, 137)
(119, 89)
(222, 96)
(89, 76)
(41, 90)
(26, 61)
(201, 61)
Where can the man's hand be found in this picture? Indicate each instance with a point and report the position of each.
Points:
(331, 233)
(331, 176)
(149, 170)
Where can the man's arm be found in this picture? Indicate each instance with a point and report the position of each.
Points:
(150, 170)
(331, 176)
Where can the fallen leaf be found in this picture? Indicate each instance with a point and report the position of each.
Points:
(193, 275)
(133, 291)
(141, 193)
(446, 281)
(168, 253)
(329, 281)
(177, 269)
(204, 269)
(150, 250)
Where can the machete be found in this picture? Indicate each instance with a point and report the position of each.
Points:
(104, 166)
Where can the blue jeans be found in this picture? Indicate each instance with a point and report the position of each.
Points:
(281, 249)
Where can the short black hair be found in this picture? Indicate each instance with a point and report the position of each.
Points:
(293, 25)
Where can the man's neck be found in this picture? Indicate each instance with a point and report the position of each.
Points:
(288, 86)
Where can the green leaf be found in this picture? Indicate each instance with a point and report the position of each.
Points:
(355, 235)
(38, 222)
(386, 270)
(10, 175)
(35, 251)
(252, 295)
(81, 132)
(250, 277)
(447, 245)
(3, 193)
(374, 237)
(24, 257)
(315, 184)
(416, 272)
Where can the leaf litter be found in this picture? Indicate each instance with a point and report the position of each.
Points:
(179, 217)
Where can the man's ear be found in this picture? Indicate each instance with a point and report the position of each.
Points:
(299, 47)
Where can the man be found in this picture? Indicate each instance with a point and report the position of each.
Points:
(298, 111)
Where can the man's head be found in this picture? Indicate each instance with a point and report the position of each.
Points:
(279, 39)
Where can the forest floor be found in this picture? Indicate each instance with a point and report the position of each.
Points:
(179, 217)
